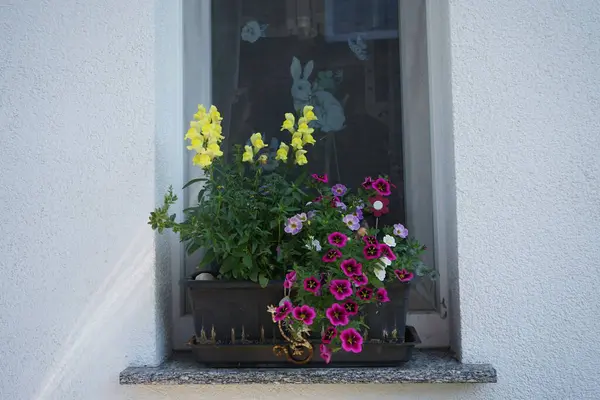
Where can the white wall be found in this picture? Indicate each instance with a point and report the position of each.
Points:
(82, 160)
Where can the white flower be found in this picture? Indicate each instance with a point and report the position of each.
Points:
(386, 261)
(251, 32)
(378, 205)
(380, 272)
(389, 240)
(314, 244)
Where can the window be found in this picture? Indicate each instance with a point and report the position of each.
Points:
(366, 67)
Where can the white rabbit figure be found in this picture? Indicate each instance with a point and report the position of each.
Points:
(328, 109)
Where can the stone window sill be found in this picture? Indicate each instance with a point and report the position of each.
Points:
(426, 366)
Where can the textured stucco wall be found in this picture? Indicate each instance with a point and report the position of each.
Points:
(82, 147)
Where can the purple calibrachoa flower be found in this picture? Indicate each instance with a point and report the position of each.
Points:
(360, 279)
(305, 314)
(386, 251)
(351, 307)
(311, 214)
(367, 183)
(340, 288)
(371, 252)
(382, 295)
(320, 178)
(403, 275)
(341, 206)
(400, 230)
(351, 267)
(312, 284)
(339, 190)
(337, 239)
(365, 293)
(329, 334)
(332, 255)
(325, 353)
(352, 222)
(382, 187)
(337, 315)
(282, 311)
(371, 240)
(294, 225)
(358, 213)
(351, 340)
(302, 217)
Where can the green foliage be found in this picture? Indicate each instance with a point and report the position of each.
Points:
(239, 219)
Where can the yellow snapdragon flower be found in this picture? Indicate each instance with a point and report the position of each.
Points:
(297, 143)
(192, 134)
(289, 122)
(213, 150)
(300, 157)
(282, 152)
(257, 142)
(202, 159)
(196, 144)
(308, 113)
(307, 138)
(201, 114)
(215, 115)
(248, 154)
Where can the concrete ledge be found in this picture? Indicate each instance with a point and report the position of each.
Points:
(427, 366)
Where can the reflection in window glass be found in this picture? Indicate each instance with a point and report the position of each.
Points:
(341, 56)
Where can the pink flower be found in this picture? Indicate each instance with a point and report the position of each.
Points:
(288, 284)
(311, 284)
(370, 240)
(367, 183)
(403, 275)
(282, 311)
(382, 187)
(337, 239)
(351, 307)
(305, 314)
(365, 293)
(382, 295)
(318, 199)
(334, 201)
(337, 315)
(332, 255)
(329, 334)
(325, 353)
(360, 280)
(320, 178)
(386, 251)
(340, 289)
(351, 267)
(291, 276)
(371, 252)
(351, 340)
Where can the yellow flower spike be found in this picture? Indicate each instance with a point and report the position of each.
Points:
(300, 157)
(297, 143)
(213, 150)
(282, 152)
(214, 113)
(307, 138)
(309, 114)
(288, 124)
(202, 159)
(257, 142)
(247, 156)
(262, 159)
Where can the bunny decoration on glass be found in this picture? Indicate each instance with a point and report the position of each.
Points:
(328, 109)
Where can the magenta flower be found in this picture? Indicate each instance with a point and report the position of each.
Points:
(367, 183)
(371, 252)
(282, 311)
(360, 279)
(318, 199)
(332, 255)
(305, 314)
(365, 293)
(351, 307)
(351, 267)
(329, 334)
(382, 187)
(334, 201)
(288, 284)
(340, 288)
(337, 315)
(291, 276)
(382, 295)
(351, 340)
(311, 284)
(325, 353)
(337, 239)
(400, 230)
(372, 240)
(320, 178)
(352, 222)
(339, 190)
(403, 275)
(386, 251)
(294, 225)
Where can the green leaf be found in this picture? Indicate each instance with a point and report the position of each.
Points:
(263, 280)
(194, 181)
(247, 260)
(254, 275)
